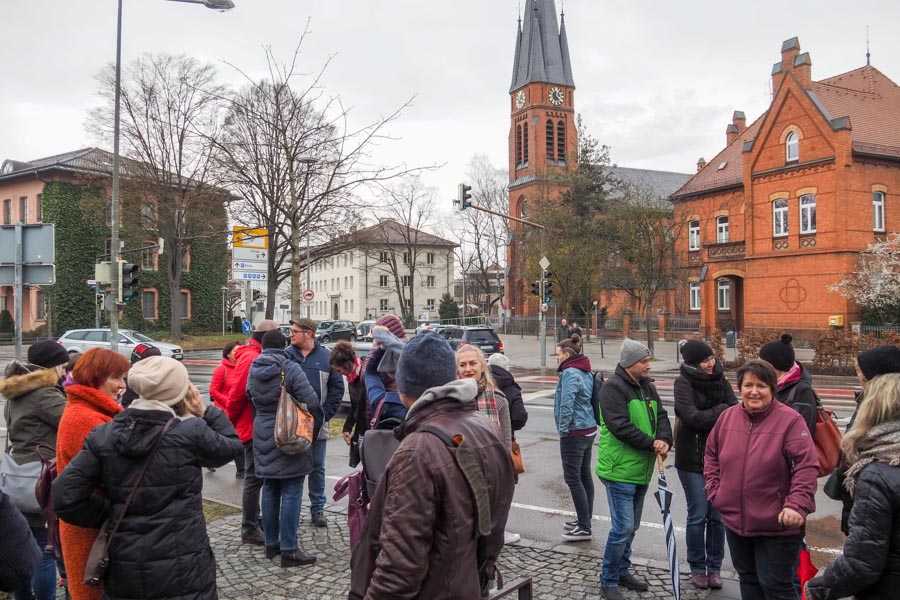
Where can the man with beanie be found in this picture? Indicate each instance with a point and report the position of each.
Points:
(634, 429)
(794, 382)
(315, 360)
(425, 536)
(240, 413)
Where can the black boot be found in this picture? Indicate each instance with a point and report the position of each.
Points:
(296, 558)
(318, 520)
(272, 551)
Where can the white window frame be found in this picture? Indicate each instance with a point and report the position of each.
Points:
(792, 147)
(429, 303)
(430, 281)
(807, 214)
(694, 235)
(406, 280)
(723, 294)
(878, 199)
(723, 234)
(383, 304)
(382, 281)
(780, 227)
(694, 296)
(429, 258)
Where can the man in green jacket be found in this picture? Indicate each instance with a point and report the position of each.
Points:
(634, 429)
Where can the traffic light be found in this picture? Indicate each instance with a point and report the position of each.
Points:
(128, 281)
(548, 287)
(536, 288)
(464, 196)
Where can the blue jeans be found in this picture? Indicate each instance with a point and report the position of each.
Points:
(575, 452)
(317, 478)
(705, 533)
(626, 502)
(281, 499)
(42, 585)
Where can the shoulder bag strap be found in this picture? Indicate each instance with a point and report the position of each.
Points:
(140, 477)
(373, 422)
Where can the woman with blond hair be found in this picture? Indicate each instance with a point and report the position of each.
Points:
(869, 568)
(471, 364)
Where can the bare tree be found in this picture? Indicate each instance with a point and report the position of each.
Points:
(170, 118)
(290, 151)
(403, 244)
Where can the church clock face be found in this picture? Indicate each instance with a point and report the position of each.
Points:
(556, 96)
(520, 99)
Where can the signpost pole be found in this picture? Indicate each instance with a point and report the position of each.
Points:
(249, 300)
(19, 300)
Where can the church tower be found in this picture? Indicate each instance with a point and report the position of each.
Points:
(542, 136)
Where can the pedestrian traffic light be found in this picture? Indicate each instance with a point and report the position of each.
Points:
(536, 288)
(128, 281)
(548, 292)
(464, 196)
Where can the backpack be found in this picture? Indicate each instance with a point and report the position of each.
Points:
(599, 380)
(827, 436)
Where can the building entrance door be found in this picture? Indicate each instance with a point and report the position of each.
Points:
(336, 311)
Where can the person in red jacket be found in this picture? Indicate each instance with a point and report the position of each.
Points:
(760, 468)
(218, 392)
(240, 412)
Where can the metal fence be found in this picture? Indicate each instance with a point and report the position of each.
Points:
(879, 331)
(683, 323)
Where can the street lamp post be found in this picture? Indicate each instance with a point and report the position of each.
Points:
(113, 306)
(295, 235)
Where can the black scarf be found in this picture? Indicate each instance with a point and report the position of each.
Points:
(711, 386)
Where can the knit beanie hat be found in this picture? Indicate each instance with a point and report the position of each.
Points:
(48, 354)
(879, 361)
(427, 361)
(779, 354)
(695, 352)
(274, 339)
(498, 359)
(142, 351)
(632, 352)
(394, 325)
(159, 379)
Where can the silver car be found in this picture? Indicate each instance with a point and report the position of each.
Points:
(82, 340)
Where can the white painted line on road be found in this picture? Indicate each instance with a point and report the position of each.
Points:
(604, 518)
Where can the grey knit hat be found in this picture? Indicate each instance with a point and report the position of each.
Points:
(427, 361)
(632, 352)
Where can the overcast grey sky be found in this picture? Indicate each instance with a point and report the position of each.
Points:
(656, 81)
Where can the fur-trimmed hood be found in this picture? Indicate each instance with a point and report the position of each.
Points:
(20, 384)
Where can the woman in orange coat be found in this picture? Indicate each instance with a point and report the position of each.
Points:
(93, 399)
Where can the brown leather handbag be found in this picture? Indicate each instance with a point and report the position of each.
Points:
(517, 460)
(98, 559)
(294, 425)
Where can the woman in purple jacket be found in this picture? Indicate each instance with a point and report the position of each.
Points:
(760, 469)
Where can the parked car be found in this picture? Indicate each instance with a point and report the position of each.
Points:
(330, 331)
(364, 330)
(481, 336)
(82, 340)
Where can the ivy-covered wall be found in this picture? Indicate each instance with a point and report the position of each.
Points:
(79, 214)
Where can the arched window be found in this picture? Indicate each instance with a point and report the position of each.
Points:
(780, 217)
(550, 140)
(523, 208)
(561, 141)
(808, 213)
(792, 146)
(525, 143)
(878, 211)
(518, 145)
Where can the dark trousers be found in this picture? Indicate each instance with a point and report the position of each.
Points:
(575, 452)
(250, 500)
(239, 464)
(766, 565)
(42, 584)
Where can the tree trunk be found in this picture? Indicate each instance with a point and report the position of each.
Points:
(647, 326)
(295, 277)
(174, 273)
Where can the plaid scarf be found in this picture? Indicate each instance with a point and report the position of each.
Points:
(880, 444)
(487, 406)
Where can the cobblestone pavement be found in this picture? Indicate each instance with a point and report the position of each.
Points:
(244, 573)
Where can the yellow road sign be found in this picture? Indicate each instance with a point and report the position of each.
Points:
(250, 237)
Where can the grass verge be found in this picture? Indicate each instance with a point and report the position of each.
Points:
(213, 511)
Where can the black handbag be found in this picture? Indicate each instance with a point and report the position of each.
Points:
(98, 559)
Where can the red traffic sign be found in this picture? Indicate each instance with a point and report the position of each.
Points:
(308, 295)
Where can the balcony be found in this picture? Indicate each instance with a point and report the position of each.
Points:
(725, 251)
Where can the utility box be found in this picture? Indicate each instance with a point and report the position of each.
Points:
(103, 272)
(836, 321)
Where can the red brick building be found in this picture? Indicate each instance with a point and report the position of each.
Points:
(783, 211)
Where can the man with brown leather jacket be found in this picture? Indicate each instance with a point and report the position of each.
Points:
(436, 541)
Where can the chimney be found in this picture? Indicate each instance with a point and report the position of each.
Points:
(789, 51)
(731, 133)
(701, 162)
(803, 70)
(739, 120)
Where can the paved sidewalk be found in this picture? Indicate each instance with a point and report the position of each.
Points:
(244, 573)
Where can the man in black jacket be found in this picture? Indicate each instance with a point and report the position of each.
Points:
(19, 553)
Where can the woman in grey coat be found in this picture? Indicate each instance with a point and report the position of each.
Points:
(282, 474)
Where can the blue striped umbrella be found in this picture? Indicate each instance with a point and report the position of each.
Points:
(664, 499)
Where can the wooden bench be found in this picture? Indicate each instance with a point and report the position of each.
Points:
(521, 586)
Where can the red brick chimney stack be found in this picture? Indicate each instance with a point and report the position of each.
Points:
(803, 70)
(731, 133)
(701, 162)
(739, 120)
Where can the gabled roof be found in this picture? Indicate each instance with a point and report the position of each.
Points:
(390, 233)
(542, 48)
(94, 161)
(661, 183)
(863, 100)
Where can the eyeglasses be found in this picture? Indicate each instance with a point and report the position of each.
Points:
(299, 331)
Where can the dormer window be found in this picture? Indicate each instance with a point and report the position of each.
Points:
(722, 165)
(792, 147)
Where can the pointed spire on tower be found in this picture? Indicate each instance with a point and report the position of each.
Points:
(542, 53)
(868, 54)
